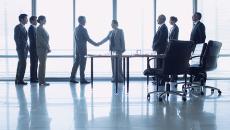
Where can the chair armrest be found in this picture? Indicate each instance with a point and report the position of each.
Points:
(148, 61)
(194, 57)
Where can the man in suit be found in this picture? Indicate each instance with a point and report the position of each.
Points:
(198, 32)
(160, 39)
(21, 37)
(174, 31)
(33, 52)
(81, 37)
(117, 46)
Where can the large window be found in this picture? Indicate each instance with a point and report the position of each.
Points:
(182, 9)
(59, 15)
(215, 16)
(135, 17)
(9, 12)
(98, 15)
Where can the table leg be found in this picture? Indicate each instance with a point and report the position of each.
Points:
(91, 72)
(127, 74)
(116, 65)
(124, 69)
(147, 68)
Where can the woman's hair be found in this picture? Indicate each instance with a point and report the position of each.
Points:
(173, 18)
(41, 18)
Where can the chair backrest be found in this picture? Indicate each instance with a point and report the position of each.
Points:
(199, 52)
(177, 57)
(210, 56)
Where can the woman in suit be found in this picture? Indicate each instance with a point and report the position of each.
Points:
(174, 31)
(173, 35)
(42, 44)
(117, 47)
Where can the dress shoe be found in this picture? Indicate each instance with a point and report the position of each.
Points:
(73, 81)
(20, 83)
(44, 84)
(34, 81)
(84, 82)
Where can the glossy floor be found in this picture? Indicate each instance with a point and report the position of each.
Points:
(65, 106)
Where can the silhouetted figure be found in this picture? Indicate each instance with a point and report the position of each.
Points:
(117, 47)
(160, 39)
(33, 50)
(198, 31)
(174, 31)
(21, 37)
(43, 48)
(81, 37)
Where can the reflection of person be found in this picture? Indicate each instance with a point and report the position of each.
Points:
(160, 38)
(198, 32)
(43, 47)
(195, 117)
(33, 51)
(80, 37)
(21, 37)
(80, 107)
(39, 114)
(117, 46)
(174, 31)
(23, 114)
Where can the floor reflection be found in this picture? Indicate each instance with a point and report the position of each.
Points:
(38, 118)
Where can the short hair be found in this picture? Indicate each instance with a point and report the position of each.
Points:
(173, 18)
(21, 17)
(115, 22)
(40, 18)
(33, 18)
(80, 18)
(199, 15)
(163, 17)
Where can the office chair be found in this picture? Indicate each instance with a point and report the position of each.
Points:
(208, 62)
(175, 62)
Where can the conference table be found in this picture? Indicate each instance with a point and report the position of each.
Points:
(126, 59)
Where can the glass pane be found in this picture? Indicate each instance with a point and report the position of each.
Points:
(137, 24)
(59, 15)
(215, 15)
(9, 12)
(183, 13)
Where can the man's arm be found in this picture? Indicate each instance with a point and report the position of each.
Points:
(106, 38)
(86, 35)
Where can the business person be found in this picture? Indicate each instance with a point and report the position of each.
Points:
(21, 37)
(43, 48)
(198, 32)
(33, 51)
(81, 37)
(160, 39)
(174, 31)
(173, 35)
(117, 46)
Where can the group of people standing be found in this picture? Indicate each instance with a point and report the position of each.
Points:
(38, 48)
(162, 36)
(39, 45)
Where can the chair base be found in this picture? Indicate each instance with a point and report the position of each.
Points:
(167, 92)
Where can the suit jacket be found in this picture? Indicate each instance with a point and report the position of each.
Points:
(80, 38)
(42, 40)
(198, 33)
(119, 40)
(32, 38)
(174, 33)
(20, 37)
(160, 39)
